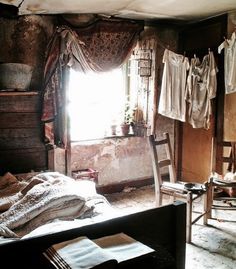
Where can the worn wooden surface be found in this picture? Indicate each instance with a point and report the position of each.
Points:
(230, 116)
(23, 160)
(20, 138)
(19, 102)
(21, 135)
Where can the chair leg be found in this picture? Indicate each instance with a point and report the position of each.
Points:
(208, 198)
(209, 201)
(205, 208)
(189, 218)
(158, 198)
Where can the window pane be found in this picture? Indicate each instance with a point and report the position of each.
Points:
(95, 103)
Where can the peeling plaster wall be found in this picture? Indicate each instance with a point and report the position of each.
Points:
(117, 160)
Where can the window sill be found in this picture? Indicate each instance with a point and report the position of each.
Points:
(104, 138)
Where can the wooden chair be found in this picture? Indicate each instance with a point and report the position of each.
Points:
(223, 161)
(174, 188)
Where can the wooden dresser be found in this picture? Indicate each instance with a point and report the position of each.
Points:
(21, 133)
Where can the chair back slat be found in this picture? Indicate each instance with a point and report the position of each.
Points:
(164, 163)
(169, 154)
(156, 168)
(168, 161)
(160, 142)
(218, 155)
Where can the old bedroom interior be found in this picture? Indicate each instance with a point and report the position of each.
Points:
(84, 88)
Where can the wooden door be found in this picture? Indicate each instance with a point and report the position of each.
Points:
(194, 150)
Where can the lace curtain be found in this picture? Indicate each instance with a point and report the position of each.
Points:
(99, 47)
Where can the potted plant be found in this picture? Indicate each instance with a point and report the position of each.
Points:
(113, 127)
(128, 116)
(138, 125)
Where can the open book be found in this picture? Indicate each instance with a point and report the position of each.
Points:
(106, 252)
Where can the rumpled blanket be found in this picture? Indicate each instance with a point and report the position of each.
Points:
(10, 189)
(46, 197)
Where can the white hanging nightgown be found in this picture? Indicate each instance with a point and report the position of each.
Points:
(229, 45)
(172, 102)
(200, 89)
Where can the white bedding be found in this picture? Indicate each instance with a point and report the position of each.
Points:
(47, 199)
(103, 212)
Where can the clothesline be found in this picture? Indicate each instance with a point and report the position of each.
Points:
(167, 46)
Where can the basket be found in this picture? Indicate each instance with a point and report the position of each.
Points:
(88, 174)
(15, 76)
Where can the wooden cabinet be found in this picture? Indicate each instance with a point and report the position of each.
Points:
(21, 133)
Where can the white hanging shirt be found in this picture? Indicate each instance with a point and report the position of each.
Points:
(229, 63)
(200, 89)
(172, 102)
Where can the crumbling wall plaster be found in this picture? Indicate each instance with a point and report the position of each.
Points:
(116, 159)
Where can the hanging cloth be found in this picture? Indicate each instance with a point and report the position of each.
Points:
(229, 46)
(172, 98)
(99, 47)
(200, 89)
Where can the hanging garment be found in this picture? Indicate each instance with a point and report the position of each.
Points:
(229, 63)
(172, 98)
(200, 89)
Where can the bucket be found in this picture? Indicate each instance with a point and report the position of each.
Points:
(15, 76)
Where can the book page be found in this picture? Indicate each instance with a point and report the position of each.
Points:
(79, 253)
(123, 247)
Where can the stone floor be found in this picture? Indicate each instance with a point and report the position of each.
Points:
(213, 246)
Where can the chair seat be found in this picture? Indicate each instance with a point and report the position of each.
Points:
(173, 186)
(183, 187)
(173, 191)
(226, 185)
(223, 183)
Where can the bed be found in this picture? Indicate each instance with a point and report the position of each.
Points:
(50, 207)
(48, 197)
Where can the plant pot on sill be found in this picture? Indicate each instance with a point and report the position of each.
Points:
(113, 129)
(139, 129)
(125, 127)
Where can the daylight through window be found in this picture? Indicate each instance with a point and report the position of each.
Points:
(96, 102)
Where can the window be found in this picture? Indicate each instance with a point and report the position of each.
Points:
(99, 101)
(96, 102)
